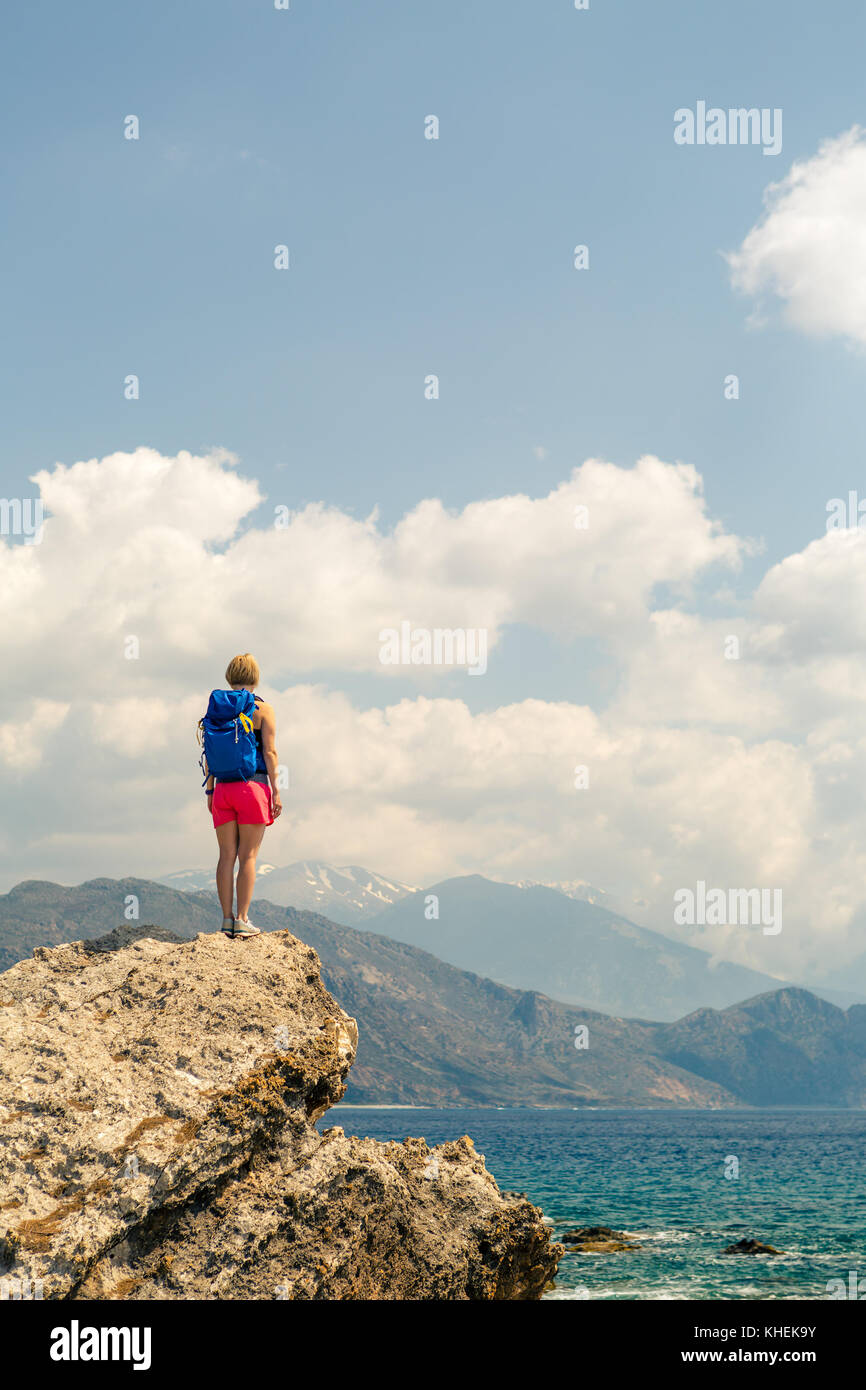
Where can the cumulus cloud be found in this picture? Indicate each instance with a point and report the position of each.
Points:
(160, 552)
(742, 768)
(24, 741)
(809, 247)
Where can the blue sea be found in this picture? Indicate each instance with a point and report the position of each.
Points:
(660, 1177)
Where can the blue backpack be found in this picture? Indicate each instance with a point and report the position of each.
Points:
(229, 737)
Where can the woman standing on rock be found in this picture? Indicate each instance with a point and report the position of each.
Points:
(239, 761)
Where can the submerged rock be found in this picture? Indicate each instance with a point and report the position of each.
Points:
(158, 1102)
(751, 1247)
(597, 1240)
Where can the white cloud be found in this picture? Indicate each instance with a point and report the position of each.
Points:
(24, 740)
(154, 548)
(809, 247)
(747, 772)
(134, 727)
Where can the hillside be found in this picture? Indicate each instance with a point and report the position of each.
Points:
(784, 1048)
(39, 913)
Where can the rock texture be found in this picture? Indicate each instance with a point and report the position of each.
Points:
(157, 1108)
(597, 1240)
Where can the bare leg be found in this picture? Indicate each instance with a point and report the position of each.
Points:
(227, 838)
(249, 842)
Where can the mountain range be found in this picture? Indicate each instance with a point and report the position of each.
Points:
(434, 1034)
(562, 939)
(571, 949)
(346, 893)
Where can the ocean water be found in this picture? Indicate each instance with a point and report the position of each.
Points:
(660, 1177)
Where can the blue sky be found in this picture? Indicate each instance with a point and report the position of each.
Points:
(412, 256)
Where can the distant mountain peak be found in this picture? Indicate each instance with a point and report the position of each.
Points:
(576, 888)
(345, 893)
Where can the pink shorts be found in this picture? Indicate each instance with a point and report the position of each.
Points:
(248, 803)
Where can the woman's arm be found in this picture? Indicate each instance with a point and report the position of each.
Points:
(269, 753)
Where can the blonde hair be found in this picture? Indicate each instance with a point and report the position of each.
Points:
(243, 670)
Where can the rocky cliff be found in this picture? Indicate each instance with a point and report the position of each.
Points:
(158, 1101)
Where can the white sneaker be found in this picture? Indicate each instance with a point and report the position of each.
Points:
(243, 928)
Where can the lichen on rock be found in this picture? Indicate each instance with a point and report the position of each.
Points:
(158, 1101)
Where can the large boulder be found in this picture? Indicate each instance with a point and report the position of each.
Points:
(158, 1101)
